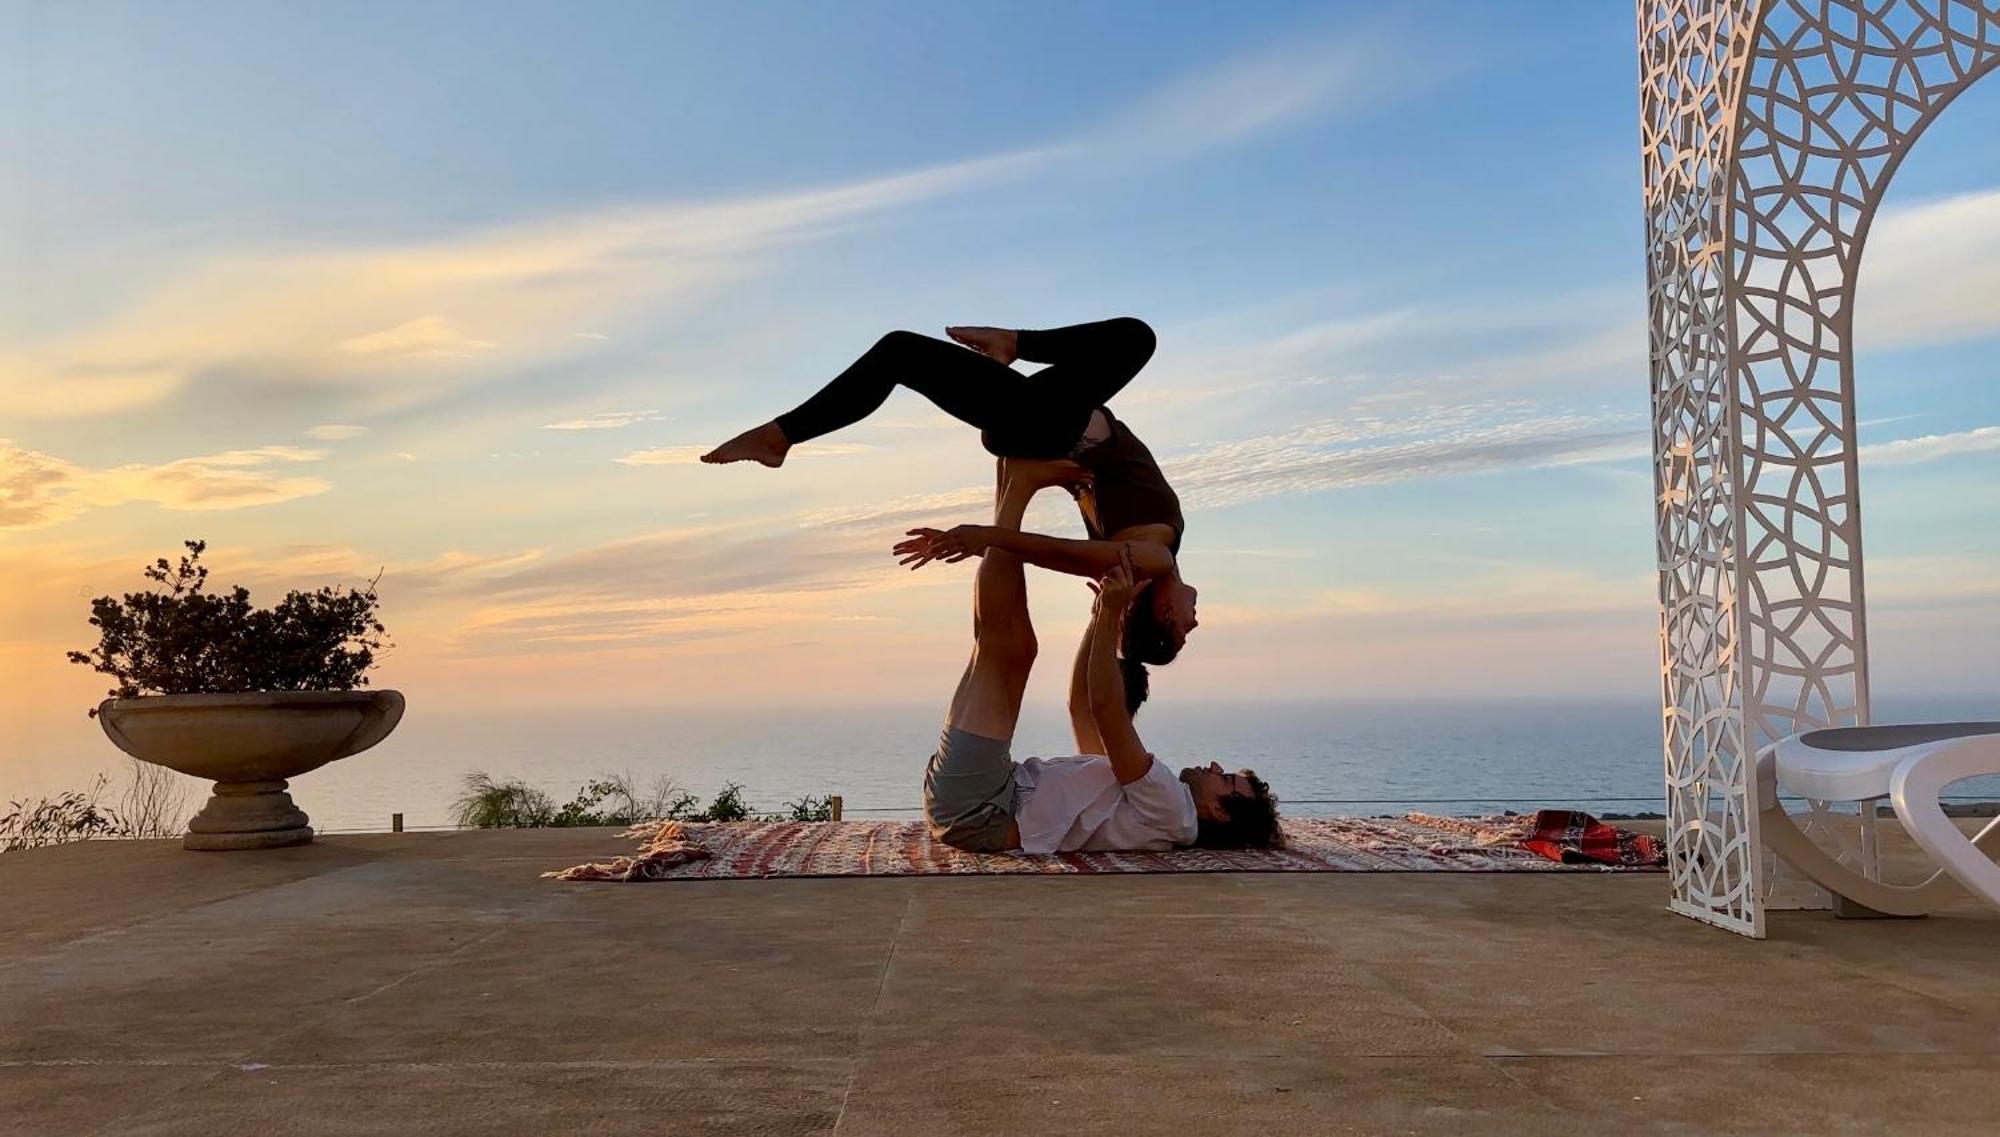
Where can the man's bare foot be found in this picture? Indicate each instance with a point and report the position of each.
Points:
(764, 444)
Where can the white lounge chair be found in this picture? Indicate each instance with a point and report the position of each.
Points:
(1909, 765)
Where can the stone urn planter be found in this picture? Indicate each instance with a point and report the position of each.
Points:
(249, 744)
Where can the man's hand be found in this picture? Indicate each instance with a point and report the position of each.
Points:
(1071, 476)
(994, 343)
(923, 546)
(1114, 590)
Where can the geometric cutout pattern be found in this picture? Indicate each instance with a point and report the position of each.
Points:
(1771, 129)
(1693, 57)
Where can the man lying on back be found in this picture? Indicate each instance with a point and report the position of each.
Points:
(1115, 795)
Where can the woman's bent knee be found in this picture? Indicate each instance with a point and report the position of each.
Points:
(900, 341)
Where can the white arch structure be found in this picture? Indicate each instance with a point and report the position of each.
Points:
(1770, 129)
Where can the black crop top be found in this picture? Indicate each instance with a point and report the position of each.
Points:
(1130, 489)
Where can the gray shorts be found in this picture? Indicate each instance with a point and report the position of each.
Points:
(969, 792)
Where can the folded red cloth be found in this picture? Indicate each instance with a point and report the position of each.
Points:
(1571, 837)
(669, 846)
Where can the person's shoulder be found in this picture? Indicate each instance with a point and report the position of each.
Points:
(1161, 796)
(1160, 777)
(1175, 798)
(1060, 764)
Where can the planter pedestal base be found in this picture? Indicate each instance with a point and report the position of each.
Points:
(248, 815)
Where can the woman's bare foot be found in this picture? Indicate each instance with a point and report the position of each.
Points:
(764, 444)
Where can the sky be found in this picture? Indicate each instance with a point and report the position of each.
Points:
(455, 294)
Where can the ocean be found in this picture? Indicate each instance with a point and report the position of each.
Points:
(1459, 756)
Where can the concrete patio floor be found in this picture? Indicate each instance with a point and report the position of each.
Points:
(433, 984)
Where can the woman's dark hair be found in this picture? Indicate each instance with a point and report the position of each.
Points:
(1147, 638)
(1252, 824)
(1137, 684)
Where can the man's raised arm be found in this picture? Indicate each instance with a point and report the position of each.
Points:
(1082, 719)
(1129, 758)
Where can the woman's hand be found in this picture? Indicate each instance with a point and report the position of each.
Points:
(994, 343)
(923, 546)
(1071, 476)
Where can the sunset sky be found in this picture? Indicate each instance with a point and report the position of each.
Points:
(458, 295)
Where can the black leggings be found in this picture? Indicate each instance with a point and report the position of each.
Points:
(1019, 416)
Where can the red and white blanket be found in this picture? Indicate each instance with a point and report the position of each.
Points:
(674, 850)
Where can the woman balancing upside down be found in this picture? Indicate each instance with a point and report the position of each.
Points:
(1058, 412)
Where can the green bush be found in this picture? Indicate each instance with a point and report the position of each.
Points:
(489, 804)
(185, 640)
(615, 799)
(809, 809)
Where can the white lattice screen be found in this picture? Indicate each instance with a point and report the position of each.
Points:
(1770, 130)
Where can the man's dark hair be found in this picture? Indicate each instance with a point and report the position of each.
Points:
(1252, 824)
(1137, 684)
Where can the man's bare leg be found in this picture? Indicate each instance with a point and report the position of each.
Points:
(988, 700)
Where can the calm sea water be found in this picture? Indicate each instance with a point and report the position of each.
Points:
(1462, 756)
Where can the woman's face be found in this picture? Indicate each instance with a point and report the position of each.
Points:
(1174, 609)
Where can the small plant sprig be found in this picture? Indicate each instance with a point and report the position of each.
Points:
(153, 805)
(182, 639)
(72, 816)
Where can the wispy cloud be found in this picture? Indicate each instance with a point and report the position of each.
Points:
(1323, 456)
(397, 325)
(38, 490)
(1326, 455)
(683, 563)
(1932, 581)
(1255, 93)
(333, 432)
(1507, 591)
(656, 588)
(426, 337)
(1931, 273)
(1931, 447)
(604, 420)
(914, 508)
(652, 589)
(1413, 355)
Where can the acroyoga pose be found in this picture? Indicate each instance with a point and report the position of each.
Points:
(1058, 412)
(1113, 795)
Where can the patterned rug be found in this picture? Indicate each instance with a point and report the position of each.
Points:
(673, 850)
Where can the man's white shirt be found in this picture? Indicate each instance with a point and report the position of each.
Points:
(1075, 803)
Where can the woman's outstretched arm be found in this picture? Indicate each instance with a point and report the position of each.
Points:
(1091, 559)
